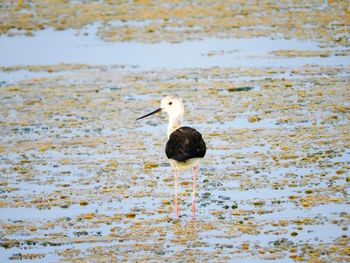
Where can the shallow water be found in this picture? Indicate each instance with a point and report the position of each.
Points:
(68, 47)
(80, 179)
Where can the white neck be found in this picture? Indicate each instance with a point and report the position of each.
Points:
(175, 122)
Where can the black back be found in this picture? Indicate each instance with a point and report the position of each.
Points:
(185, 143)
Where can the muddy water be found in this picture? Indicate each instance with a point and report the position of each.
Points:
(82, 180)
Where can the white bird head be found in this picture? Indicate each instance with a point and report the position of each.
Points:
(170, 104)
(173, 106)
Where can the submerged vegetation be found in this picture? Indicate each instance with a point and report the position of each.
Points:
(175, 21)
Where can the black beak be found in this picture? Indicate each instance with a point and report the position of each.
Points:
(153, 112)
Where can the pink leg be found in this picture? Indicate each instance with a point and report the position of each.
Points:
(194, 192)
(175, 201)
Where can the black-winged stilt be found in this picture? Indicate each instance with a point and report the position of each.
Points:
(185, 145)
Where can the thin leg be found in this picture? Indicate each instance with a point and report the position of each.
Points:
(175, 201)
(194, 192)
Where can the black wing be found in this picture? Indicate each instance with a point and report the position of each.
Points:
(185, 143)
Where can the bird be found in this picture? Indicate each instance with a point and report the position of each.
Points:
(185, 146)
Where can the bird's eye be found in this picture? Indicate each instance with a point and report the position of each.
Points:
(170, 103)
